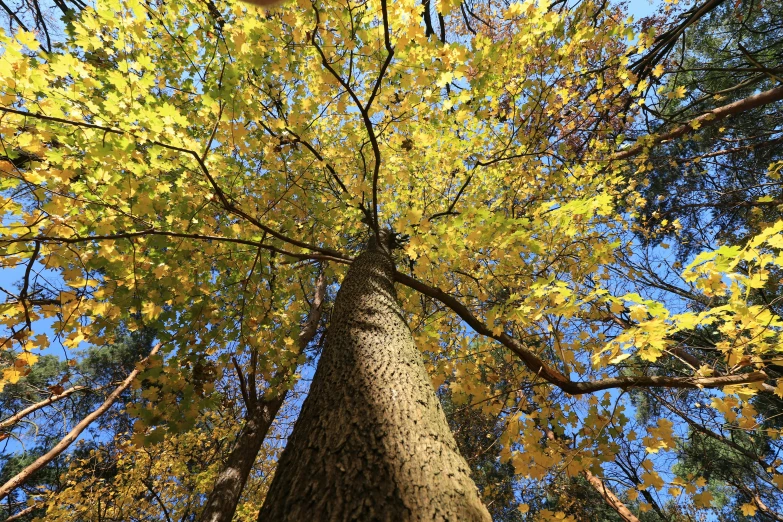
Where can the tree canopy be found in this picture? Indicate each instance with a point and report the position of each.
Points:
(197, 178)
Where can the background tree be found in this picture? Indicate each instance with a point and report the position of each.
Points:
(43, 406)
(720, 187)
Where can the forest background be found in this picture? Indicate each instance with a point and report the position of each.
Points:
(592, 270)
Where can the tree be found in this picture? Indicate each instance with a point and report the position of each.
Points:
(383, 449)
(192, 171)
(717, 187)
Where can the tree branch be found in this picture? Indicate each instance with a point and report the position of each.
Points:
(16, 417)
(227, 204)
(551, 375)
(155, 232)
(710, 118)
(72, 435)
(17, 516)
(610, 498)
(12, 14)
(363, 110)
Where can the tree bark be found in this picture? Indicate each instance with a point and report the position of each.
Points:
(223, 500)
(371, 442)
(224, 497)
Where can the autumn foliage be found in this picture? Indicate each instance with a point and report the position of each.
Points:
(192, 168)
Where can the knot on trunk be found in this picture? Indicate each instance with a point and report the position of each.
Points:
(388, 240)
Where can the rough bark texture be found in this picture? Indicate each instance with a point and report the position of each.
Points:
(371, 442)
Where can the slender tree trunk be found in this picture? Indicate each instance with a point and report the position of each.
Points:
(223, 500)
(610, 498)
(224, 497)
(371, 442)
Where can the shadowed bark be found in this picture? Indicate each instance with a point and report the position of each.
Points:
(371, 442)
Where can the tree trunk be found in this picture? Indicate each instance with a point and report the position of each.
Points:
(224, 497)
(610, 498)
(222, 502)
(371, 442)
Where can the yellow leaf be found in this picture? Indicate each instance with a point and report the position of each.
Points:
(679, 92)
(41, 341)
(779, 388)
(616, 307)
(651, 478)
(11, 375)
(638, 313)
(74, 339)
(151, 310)
(28, 358)
(748, 510)
(81, 283)
(27, 39)
(703, 499)
(523, 508)
(620, 358)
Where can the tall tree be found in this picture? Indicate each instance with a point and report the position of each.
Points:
(371, 442)
(188, 169)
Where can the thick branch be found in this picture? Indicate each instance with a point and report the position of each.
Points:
(156, 232)
(16, 417)
(610, 498)
(551, 375)
(709, 118)
(364, 110)
(376, 150)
